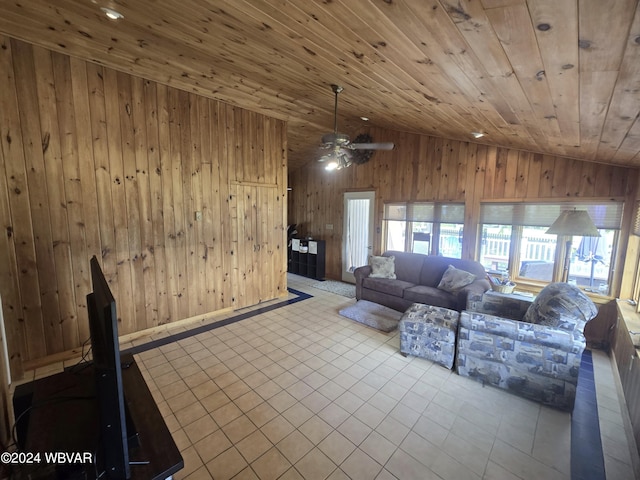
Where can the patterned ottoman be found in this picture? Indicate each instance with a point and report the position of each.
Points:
(429, 332)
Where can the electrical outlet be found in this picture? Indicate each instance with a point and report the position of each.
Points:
(329, 226)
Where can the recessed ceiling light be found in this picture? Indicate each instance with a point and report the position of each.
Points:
(477, 134)
(111, 13)
(364, 119)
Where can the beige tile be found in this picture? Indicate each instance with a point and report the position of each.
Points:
(460, 429)
(337, 447)
(393, 430)
(253, 446)
(277, 429)
(176, 388)
(248, 401)
(282, 401)
(190, 414)
(182, 400)
(377, 447)
(246, 474)
(181, 439)
(192, 461)
(315, 402)
(299, 390)
(467, 453)
(354, 430)
(204, 389)
(496, 472)
(271, 465)
(215, 401)
(385, 475)
(226, 465)
(315, 465)
(405, 467)
(334, 414)
(262, 414)
(268, 389)
(212, 445)
(226, 414)
(360, 466)
(294, 446)
(201, 428)
(349, 401)
(238, 429)
(291, 474)
(236, 389)
(297, 414)
(200, 474)
(369, 415)
(521, 464)
(244, 370)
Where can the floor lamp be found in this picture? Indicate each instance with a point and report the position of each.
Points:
(569, 223)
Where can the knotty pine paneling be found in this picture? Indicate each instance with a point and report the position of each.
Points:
(424, 168)
(98, 162)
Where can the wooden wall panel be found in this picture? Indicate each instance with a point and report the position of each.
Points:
(423, 168)
(97, 162)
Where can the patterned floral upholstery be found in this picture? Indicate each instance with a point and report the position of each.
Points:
(429, 332)
(537, 361)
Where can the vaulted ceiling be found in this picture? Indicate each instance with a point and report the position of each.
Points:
(554, 76)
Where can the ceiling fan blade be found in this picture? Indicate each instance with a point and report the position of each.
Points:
(372, 146)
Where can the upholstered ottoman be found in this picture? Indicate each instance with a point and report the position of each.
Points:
(429, 332)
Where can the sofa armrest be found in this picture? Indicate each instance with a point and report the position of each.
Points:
(360, 274)
(477, 287)
(568, 341)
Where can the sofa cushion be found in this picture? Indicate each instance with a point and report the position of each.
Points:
(454, 279)
(430, 296)
(386, 285)
(433, 269)
(408, 265)
(382, 267)
(562, 306)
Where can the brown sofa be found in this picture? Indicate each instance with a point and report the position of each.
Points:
(417, 279)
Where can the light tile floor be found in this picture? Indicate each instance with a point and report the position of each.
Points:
(303, 393)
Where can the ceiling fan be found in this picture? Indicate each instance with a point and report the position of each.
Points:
(342, 152)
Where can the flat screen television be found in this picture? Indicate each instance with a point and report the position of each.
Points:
(112, 457)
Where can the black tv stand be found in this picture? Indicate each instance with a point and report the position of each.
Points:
(60, 414)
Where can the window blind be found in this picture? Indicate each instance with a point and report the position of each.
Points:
(604, 215)
(636, 219)
(425, 212)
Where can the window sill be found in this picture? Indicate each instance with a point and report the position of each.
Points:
(535, 287)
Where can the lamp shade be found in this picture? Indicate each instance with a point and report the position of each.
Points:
(574, 222)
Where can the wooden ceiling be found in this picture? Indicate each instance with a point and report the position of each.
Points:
(554, 76)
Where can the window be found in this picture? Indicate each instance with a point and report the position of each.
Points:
(514, 240)
(424, 227)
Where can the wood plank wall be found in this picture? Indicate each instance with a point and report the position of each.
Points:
(98, 162)
(423, 168)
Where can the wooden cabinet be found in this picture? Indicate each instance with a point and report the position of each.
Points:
(307, 258)
(628, 362)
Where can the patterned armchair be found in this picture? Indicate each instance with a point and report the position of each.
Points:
(538, 357)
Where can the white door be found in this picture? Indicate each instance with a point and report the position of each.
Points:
(357, 240)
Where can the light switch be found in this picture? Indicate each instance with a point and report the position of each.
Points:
(329, 226)
(198, 216)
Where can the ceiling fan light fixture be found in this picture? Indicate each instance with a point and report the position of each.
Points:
(111, 13)
(331, 166)
(477, 134)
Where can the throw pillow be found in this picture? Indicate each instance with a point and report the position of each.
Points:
(454, 279)
(563, 306)
(383, 267)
